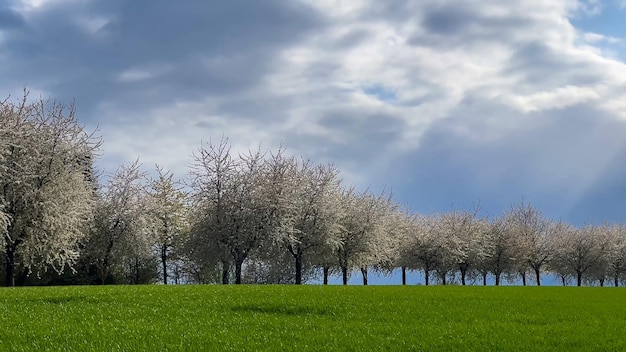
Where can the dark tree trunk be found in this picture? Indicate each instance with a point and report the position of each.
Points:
(344, 274)
(497, 275)
(164, 263)
(10, 266)
(484, 279)
(102, 278)
(602, 282)
(298, 257)
(136, 271)
(225, 273)
(523, 275)
(443, 279)
(463, 268)
(326, 270)
(426, 277)
(538, 276)
(404, 275)
(103, 271)
(616, 280)
(579, 278)
(238, 265)
(563, 280)
(364, 273)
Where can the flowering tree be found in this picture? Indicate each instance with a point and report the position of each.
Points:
(167, 210)
(362, 231)
(501, 255)
(120, 229)
(230, 191)
(533, 235)
(578, 251)
(422, 248)
(616, 253)
(315, 221)
(212, 175)
(45, 187)
(464, 247)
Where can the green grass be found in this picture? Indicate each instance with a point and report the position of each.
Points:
(316, 318)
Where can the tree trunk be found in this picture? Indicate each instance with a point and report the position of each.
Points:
(602, 282)
(164, 263)
(176, 274)
(103, 271)
(344, 274)
(579, 278)
(364, 272)
(136, 271)
(497, 275)
(463, 269)
(102, 275)
(538, 276)
(426, 277)
(225, 273)
(484, 279)
(238, 265)
(563, 280)
(298, 257)
(523, 274)
(443, 279)
(616, 280)
(404, 275)
(326, 270)
(10, 266)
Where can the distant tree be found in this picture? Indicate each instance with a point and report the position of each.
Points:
(601, 269)
(167, 211)
(616, 253)
(45, 191)
(247, 210)
(212, 175)
(423, 246)
(501, 256)
(362, 229)
(400, 227)
(315, 221)
(464, 235)
(119, 232)
(578, 250)
(532, 233)
(231, 193)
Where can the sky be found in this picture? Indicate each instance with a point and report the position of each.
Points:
(448, 103)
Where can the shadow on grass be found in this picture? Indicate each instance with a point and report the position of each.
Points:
(282, 310)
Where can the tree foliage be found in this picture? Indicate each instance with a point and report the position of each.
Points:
(262, 216)
(45, 185)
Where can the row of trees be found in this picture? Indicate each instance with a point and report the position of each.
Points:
(258, 217)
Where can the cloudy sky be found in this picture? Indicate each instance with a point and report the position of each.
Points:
(446, 102)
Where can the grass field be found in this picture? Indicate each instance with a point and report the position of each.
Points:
(316, 318)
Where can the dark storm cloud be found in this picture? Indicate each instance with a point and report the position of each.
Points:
(568, 163)
(543, 67)
(465, 24)
(355, 139)
(203, 47)
(10, 19)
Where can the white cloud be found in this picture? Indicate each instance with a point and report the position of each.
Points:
(593, 38)
(92, 24)
(134, 75)
(557, 99)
